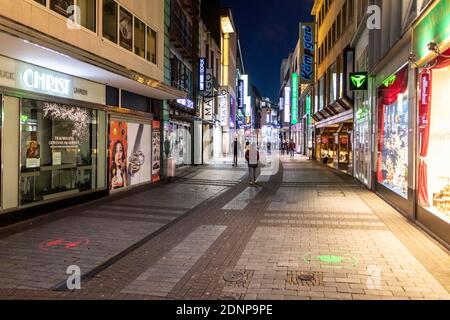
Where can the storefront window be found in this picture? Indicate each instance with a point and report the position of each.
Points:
(180, 144)
(392, 169)
(434, 130)
(58, 150)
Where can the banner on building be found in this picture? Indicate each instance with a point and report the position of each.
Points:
(307, 52)
(223, 101)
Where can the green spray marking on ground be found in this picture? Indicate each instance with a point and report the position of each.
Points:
(330, 259)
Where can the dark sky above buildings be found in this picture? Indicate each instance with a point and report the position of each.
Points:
(268, 31)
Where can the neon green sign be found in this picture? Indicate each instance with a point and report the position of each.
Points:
(294, 98)
(308, 109)
(390, 81)
(434, 27)
(24, 118)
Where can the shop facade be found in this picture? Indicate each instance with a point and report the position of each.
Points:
(431, 46)
(56, 126)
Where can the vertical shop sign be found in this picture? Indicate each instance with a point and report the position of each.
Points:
(294, 98)
(202, 74)
(208, 102)
(156, 151)
(307, 51)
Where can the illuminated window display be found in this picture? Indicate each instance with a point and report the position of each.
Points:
(180, 143)
(58, 150)
(392, 171)
(434, 133)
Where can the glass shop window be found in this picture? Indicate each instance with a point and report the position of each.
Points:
(58, 151)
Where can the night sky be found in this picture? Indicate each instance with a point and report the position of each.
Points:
(268, 31)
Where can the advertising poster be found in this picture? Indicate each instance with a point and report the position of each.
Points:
(118, 155)
(139, 153)
(126, 29)
(156, 151)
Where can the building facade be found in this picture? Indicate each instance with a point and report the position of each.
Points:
(79, 93)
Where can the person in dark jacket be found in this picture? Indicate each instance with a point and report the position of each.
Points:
(235, 153)
(252, 158)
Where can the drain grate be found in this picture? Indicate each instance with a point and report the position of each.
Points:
(331, 194)
(233, 276)
(238, 279)
(304, 278)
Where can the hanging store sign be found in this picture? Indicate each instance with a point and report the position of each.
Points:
(308, 109)
(287, 104)
(223, 106)
(307, 52)
(434, 27)
(241, 94)
(24, 76)
(208, 100)
(359, 81)
(186, 103)
(202, 74)
(294, 99)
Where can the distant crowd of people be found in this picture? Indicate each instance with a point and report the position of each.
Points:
(288, 148)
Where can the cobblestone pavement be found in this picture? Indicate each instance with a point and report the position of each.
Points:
(306, 232)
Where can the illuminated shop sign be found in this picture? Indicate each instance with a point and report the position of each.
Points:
(223, 106)
(434, 27)
(241, 94)
(47, 82)
(287, 104)
(307, 51)
(294, 98)
(359, 81)
(186, 102)
(308, 109)
(202, 74)
(20, 75)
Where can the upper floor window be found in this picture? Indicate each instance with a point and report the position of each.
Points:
(139, 37)
(83, 12)
(110, 9)
(151, 45)
(126, 29)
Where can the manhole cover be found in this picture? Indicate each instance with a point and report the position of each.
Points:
(306, 277)
(233, 276)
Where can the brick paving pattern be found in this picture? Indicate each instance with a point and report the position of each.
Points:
(307, 232)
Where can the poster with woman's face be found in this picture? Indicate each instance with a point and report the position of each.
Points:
(118, 167)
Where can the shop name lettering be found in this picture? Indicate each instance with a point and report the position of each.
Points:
(308, 56)
(45, 82)
(7, 75)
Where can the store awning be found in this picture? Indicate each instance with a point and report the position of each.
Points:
(30, 48)
(342, 117)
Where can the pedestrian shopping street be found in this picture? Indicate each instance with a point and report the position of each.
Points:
(305, 232)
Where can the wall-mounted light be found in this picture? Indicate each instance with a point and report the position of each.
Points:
(432, 46)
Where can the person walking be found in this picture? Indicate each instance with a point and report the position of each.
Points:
(292, 147)
(235, 155)
(252, 158)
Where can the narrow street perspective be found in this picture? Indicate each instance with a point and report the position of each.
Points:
(248, 155)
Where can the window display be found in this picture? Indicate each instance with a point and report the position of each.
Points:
(180, 144)
(58, 154)
(393, 131)
(434, 132)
